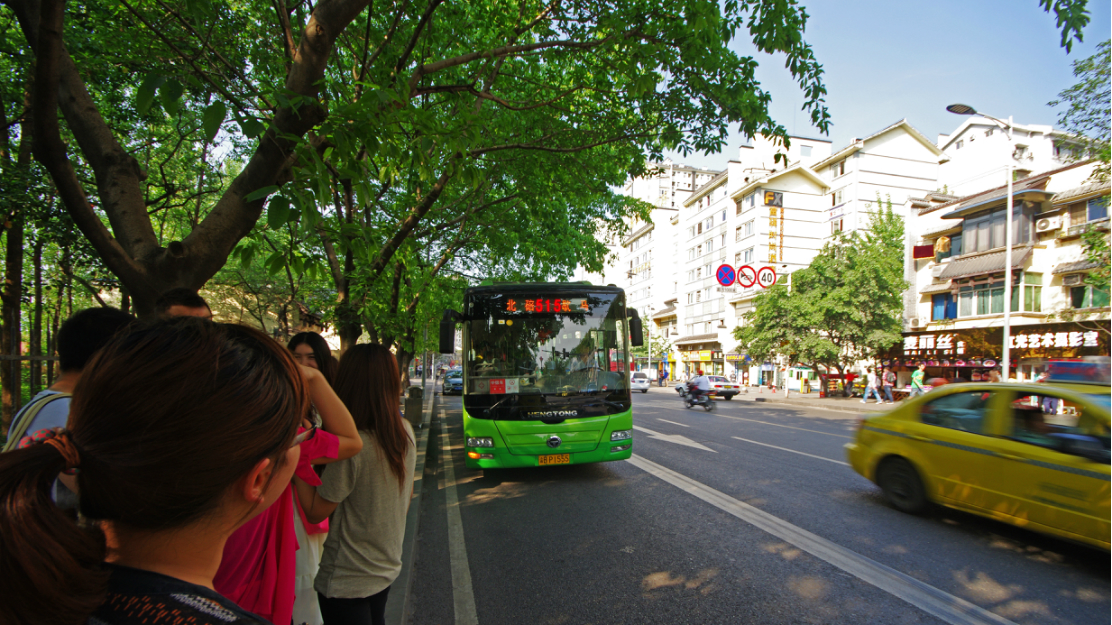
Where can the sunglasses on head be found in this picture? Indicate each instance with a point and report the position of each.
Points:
(304, 436)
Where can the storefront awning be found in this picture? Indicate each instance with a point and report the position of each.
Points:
(1081, 265)
(664, 314)
(944, 287)
(698, 338)
(986, 263)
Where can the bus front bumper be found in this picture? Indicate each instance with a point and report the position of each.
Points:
(500, 458)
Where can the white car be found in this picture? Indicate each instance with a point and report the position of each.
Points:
(639, 381)
(723, 387)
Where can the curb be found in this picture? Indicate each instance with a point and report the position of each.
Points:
(397, 602)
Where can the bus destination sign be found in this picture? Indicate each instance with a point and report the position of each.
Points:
(546, 305)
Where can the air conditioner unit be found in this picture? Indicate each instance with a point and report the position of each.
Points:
(913, 322)
(937, 270)
(1073, 279)
(1047, 224)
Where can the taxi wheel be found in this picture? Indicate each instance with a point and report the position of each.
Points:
(901, 486)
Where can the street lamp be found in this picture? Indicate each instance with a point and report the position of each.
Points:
(965, 109)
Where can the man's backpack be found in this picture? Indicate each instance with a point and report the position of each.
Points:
(889, 378)
(26, 416)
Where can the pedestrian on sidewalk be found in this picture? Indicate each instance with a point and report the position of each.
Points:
(917, 381)
(888, 380)
(367, 496)
(870, 387)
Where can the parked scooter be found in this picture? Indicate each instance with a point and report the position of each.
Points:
(690, 400)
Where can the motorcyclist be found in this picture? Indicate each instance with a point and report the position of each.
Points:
(699, 386)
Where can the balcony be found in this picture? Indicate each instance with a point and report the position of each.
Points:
(1080, 229)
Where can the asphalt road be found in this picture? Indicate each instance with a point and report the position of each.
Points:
(748, 514)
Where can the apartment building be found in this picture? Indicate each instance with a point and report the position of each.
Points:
(895, 163)
(956, 261)
(974, 156)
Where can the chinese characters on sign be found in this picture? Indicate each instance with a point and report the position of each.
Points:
(538, 305)
(1054, 339)
(944, 344)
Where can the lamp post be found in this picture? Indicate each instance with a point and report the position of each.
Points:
(964, 109)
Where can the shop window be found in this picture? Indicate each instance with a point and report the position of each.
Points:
(943, 306)
(1032, 293)
(958, 411)
(1086, 296)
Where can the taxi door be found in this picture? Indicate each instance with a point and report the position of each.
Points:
(955, 429)
(1037, 483)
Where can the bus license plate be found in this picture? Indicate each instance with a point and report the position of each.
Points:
(554, 459)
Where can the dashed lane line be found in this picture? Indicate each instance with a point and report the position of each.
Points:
(801, 453)
(942, 605)
(682, 425)
(463, 594)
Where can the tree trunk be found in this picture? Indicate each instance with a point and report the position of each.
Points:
(12, 334)
(36, 323)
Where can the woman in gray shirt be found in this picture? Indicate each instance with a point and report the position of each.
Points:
(366, 496)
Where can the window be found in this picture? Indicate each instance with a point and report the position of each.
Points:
(1086, 296)
(737, 234)
(708, 223)
(1098, 208)
(723, 216)
(710, 245)
(698, 296)
(943, 306)
(837, 225)
(804, 151)
(698, 250)
(722, 240)
(748, 227)
(691, 254)
(690, 298)
(1037, 417)
(1032, 293)
(837, 169)
(958, 411)
(737, 258)
(747, 256)
(986, 231)
(699, 228)
(960, 144)
(837, 197)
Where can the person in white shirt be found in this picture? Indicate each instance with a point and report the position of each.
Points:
(871, 387)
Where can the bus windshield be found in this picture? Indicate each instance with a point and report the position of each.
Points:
(561, 344)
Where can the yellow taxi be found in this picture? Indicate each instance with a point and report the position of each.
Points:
(1033, 455)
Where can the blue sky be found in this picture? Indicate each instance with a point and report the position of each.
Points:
(887, 60)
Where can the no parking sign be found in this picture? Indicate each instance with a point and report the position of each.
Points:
(725, 275)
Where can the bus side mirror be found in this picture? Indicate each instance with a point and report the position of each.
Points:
(636, 332)
(448, 332)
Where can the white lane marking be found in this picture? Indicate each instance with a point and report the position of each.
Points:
(781, 425)
(673, 438)
(942, 605)
(682, 425)
(463, 594)
(746, 440)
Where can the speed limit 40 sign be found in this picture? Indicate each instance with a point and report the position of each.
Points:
(766, 277)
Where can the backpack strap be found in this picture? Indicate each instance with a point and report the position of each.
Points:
(25, 417)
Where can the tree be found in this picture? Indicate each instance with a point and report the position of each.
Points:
(845, 307)
(363, 90)
(1087, 104)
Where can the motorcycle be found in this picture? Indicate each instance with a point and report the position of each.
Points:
(690, 400)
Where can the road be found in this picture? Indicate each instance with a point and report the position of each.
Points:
(748, 514)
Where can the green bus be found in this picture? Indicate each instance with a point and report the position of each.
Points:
(545, 373)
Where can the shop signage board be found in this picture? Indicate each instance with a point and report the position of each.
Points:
(981, 345)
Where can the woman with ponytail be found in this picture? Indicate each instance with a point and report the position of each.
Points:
(367, 495)
(178, 434)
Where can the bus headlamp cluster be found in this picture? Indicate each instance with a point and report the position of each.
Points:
(621, 435)
(480, 441)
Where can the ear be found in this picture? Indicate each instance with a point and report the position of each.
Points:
(256, 480)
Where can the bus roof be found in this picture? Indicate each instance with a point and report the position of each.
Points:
(491, 286)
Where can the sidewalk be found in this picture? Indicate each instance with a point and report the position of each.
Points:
(808, 400)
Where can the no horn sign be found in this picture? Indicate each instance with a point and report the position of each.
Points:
(747, 276)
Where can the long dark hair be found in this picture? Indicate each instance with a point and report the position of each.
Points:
(321, 352)
(369, 384)
(164, 420)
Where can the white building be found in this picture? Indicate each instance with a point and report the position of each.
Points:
(974, 154)
(893, 164)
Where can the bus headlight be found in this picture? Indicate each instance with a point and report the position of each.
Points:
(480, 441)
(621, 435)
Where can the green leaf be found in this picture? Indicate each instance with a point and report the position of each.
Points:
(252, 127)
(170, 93)
(213, 118)
(277, 212)
(144, 97)
(260, 193)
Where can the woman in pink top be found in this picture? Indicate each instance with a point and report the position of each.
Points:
(258, 569)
